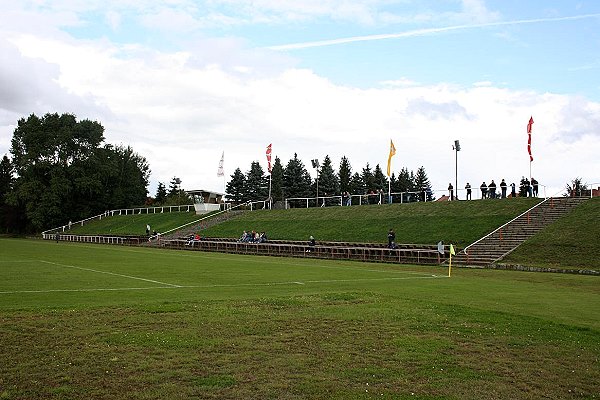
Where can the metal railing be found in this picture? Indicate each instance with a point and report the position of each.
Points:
(122, 211)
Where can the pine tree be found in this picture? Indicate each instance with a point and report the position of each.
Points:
(277, 180)
(357, 185)
(296, 179)
(255, 188)
(235, 187)
(369, 181)
(345, 175)
(422, 184)
(381, 182)
(328, 180)
(161, 194)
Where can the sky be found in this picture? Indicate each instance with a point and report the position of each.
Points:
(184, 81)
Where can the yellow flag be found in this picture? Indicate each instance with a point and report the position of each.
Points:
(452, 250)
(392, 153)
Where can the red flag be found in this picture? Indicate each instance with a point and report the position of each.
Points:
(269, 157)
(529, 138)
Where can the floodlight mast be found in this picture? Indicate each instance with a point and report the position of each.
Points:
(456, 149)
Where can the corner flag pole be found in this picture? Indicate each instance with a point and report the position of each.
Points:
(452, 252)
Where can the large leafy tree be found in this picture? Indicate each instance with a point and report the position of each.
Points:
(296, 179)
(9, 220)
(63, 173)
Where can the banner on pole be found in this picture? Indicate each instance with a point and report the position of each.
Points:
(220, 171)
(392, 153)
(269, 168)
(529, 126)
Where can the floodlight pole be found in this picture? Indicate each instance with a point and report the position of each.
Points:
(456, 148)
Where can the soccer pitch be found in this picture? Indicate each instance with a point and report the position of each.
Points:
(91, 321)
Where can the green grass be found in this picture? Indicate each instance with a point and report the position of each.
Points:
(573, 241)
(135, 224)
(84, 321)
(460, 223)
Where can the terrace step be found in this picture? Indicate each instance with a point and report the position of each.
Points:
(505, 239)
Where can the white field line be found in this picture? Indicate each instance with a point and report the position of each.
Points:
(108, 273)
(287, 283)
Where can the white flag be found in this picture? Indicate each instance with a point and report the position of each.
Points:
(221, 172)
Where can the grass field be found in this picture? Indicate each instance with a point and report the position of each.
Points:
(89, 321)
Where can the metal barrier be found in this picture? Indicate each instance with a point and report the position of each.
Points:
(425, 256)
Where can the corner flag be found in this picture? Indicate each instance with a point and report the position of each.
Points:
(452, 253)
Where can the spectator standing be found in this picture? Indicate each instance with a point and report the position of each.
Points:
(468, 187)
(451, 191)
(483, 188)
(492, 189)
(534, 184)
(513, 190)
(391, 239)
(503, 188)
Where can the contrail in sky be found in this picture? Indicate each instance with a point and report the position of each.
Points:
(422, 32)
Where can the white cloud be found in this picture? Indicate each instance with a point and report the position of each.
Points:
(182, 109)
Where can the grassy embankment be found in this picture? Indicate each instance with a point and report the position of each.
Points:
(135, 224)
(460, 223)
(572, 242)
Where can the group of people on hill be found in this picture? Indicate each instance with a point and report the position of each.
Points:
(253, 237)
(489, 191)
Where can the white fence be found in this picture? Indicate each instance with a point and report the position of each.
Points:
(123, 211)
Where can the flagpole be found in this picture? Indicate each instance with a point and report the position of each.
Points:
(270, 199)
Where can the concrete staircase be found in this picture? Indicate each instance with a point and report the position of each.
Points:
(508, 237)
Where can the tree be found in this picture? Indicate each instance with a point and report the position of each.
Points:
(422, 184)
(7, 214)
(177, 196)
(45, 153)
(368, 178)
(381, 182)
(345, 175)
(404, 182)
(161, 194)
(296, 179)
(357, 185)
(235, 187)
(256, 186)
(575, 188)
(64, 173)
(328, 180)
(277, 188)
